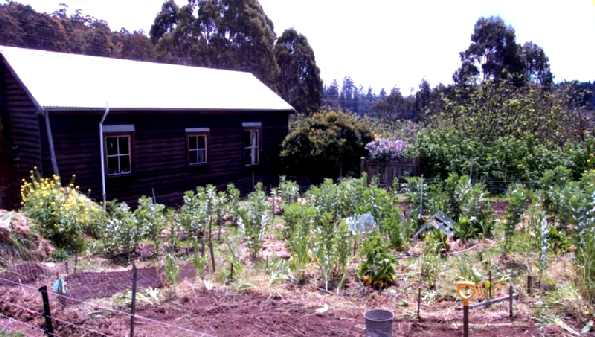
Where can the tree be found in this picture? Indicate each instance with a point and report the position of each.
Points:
(326, 144)
(495, 55)
(299, 80)
(537, 67)
(227, 34)
(165, 22)
(422, 99)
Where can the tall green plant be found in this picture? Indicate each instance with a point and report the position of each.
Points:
(517, 204)
(254, 216)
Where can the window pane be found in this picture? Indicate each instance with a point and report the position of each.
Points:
(246, 156)
(246, 138)
(112, 165)
(123, 145)
(124, 164)
(200, 156)
(201, 140)
(192, 142)
(254, 138)
(111, 145)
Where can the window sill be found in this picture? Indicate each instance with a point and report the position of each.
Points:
(199, 164)
(119, 175)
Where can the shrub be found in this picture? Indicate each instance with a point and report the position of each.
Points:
(377, 267)
(299, 241)
(254, 219)
(326, 144)
(61, 214)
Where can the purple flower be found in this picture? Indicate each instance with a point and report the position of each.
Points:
(386, 149)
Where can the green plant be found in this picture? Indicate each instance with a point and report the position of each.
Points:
(151, 217)
(392, 225)
(430, 262)
(377, 267)
(517, 203)
(331, 247)
(297, 214)
(254, 219)
(233, 203)
(172, 270)
(289, 190)
(126, 229)
(232, 257)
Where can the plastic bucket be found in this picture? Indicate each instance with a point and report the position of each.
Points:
(379, 323)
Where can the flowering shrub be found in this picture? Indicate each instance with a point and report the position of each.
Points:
(386, 149)
(61, 213)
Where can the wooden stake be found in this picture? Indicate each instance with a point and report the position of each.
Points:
(510, 299)
(418, 303)
(133, 299)
(529, 284)
(48, 328)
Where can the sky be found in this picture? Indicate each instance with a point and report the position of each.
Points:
(388, 43)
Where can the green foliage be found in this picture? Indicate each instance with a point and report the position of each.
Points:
(331, 248)
(233, 202)
(377, 267)
(445, 150)
(289, 190)
(298, 215)
(10, 334)
(254, 219)
(517, 204)
(172, 270)
(475, 210)
(61, 214)
(300, 219)
(126, 229)
(326, 144)
(433, 247)
(418, 194)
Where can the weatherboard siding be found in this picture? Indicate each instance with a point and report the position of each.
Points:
(22, 132)
(159, 159)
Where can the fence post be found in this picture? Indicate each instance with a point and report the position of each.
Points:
(418, 303)
(48, 327)
(133, 299)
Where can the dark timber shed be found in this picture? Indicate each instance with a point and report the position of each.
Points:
(128, 128)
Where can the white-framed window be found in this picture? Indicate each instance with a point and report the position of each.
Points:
(197, 148)
(118, 154)
(251, 145)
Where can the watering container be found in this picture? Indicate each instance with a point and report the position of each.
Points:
(379, 323)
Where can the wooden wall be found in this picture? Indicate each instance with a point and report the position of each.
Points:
(159, 160)
(21, 131)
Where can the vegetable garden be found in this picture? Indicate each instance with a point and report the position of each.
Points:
(285, 262)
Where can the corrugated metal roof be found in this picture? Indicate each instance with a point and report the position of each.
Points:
(70, 81)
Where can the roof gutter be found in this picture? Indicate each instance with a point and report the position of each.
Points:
(102, 159)
(48, 129)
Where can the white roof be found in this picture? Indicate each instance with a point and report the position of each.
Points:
(70, 81)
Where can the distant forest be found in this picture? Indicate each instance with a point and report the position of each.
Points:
(239, 35)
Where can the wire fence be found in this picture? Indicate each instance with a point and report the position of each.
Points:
(91, 303)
